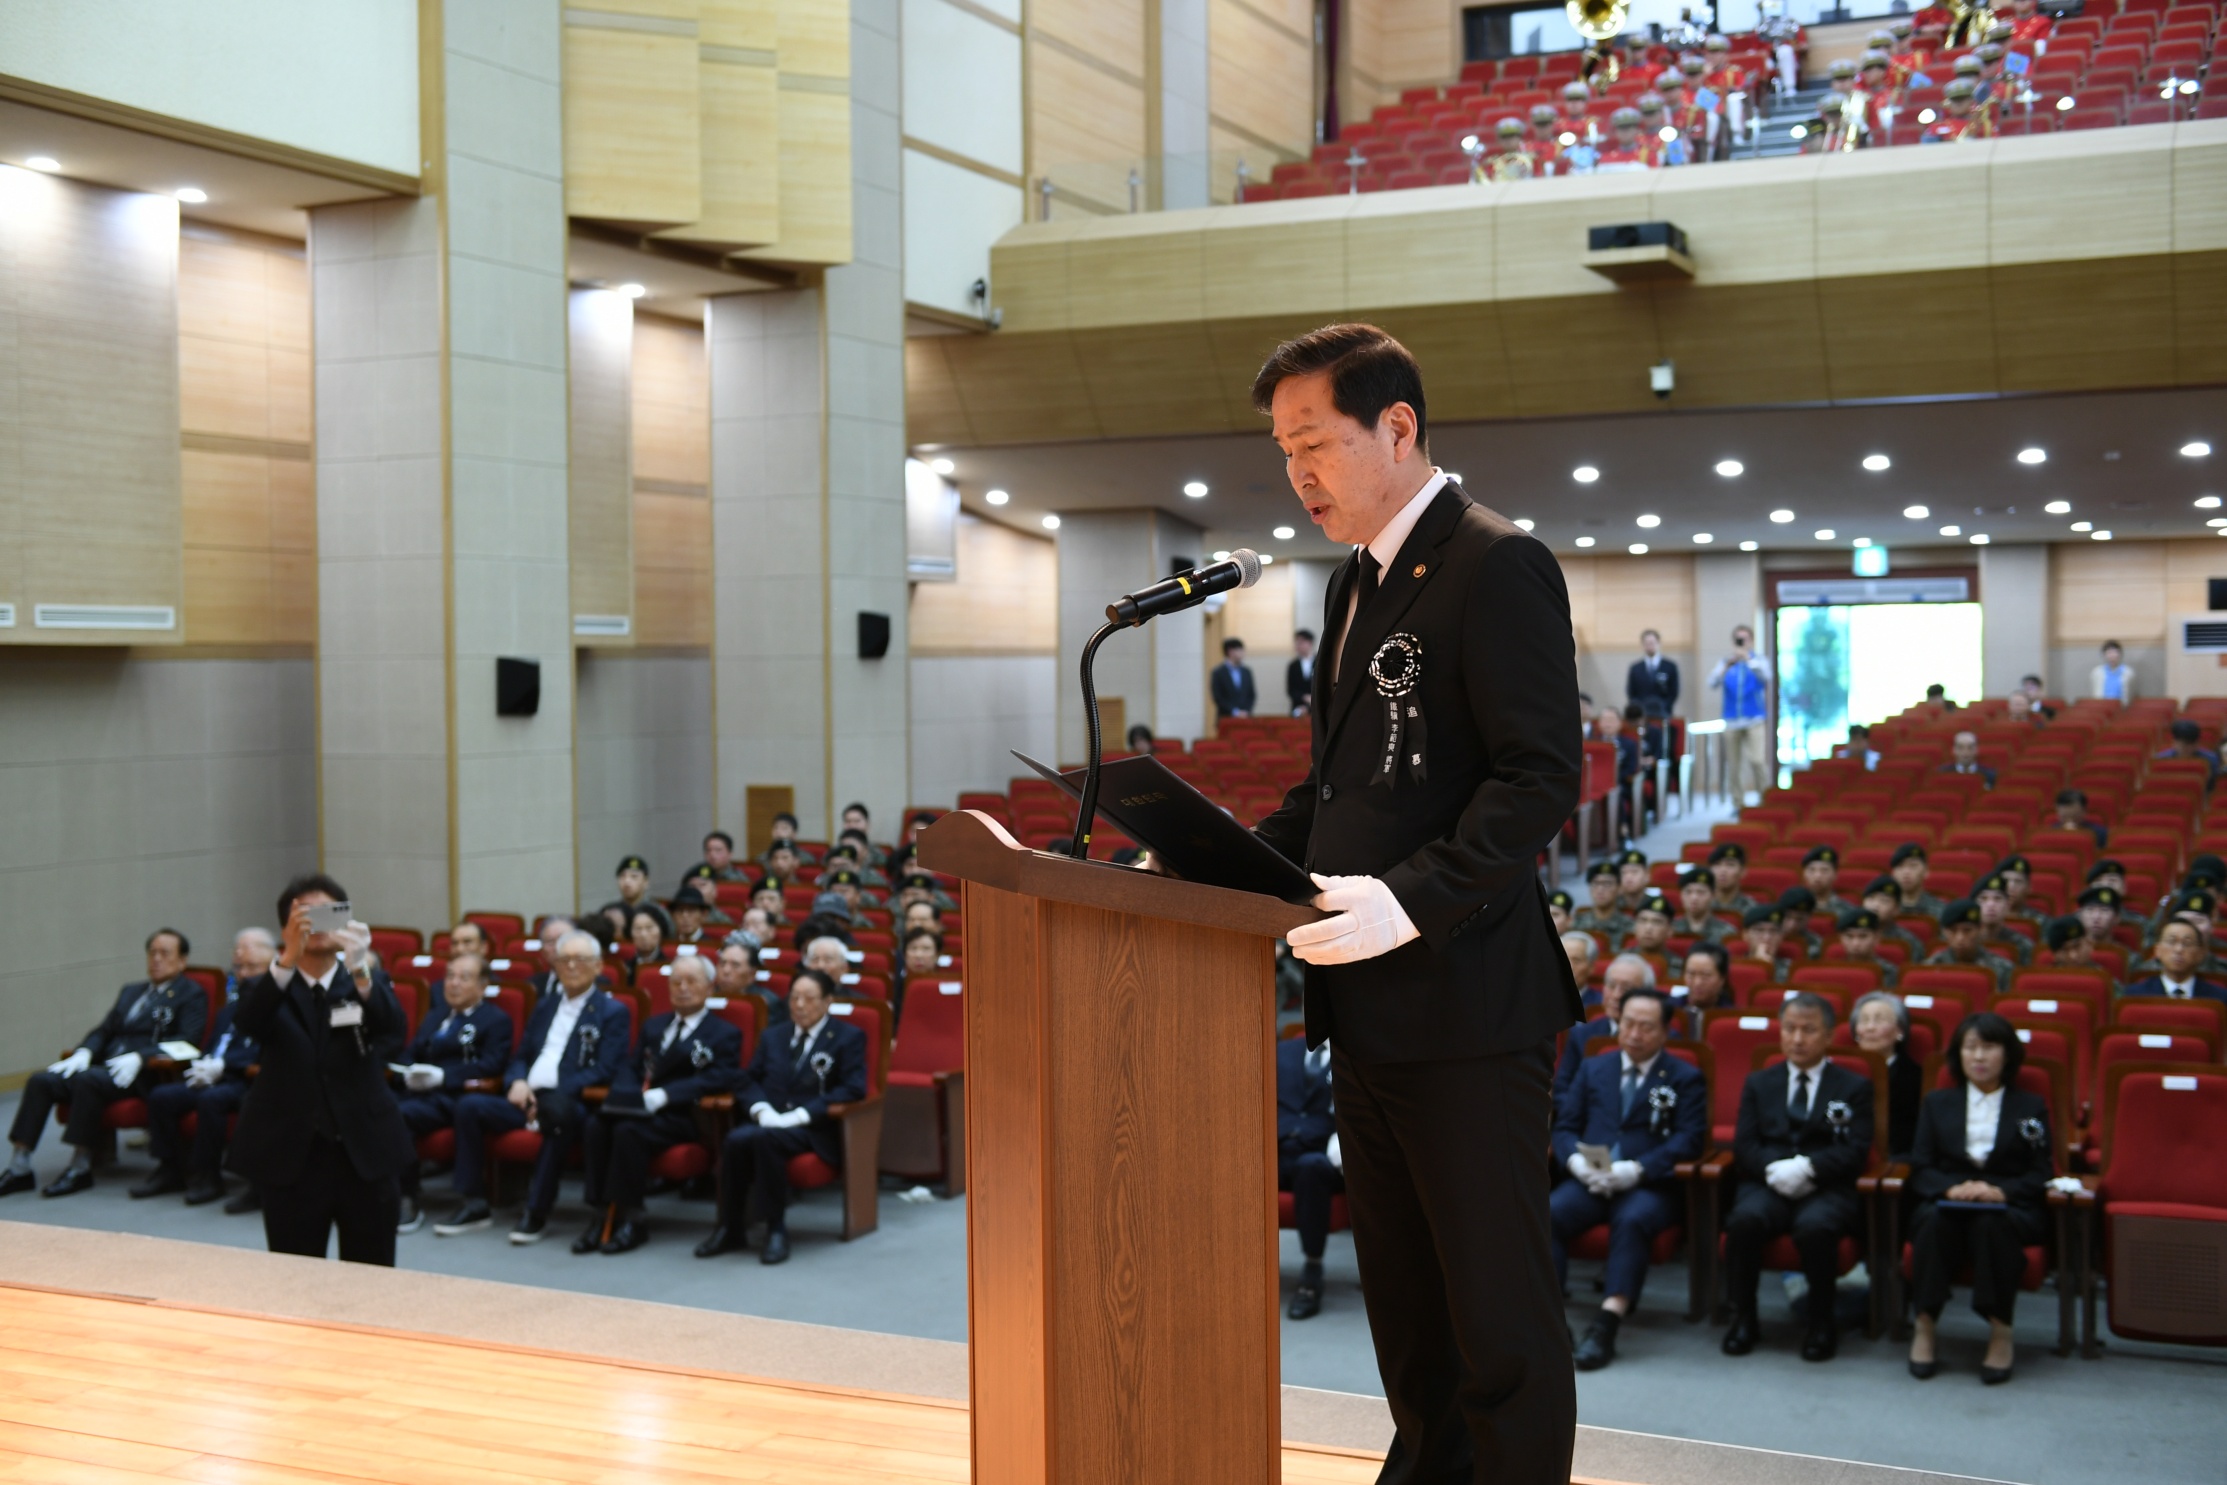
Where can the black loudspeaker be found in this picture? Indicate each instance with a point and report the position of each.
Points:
(2215, 594)
(517, 687)
(873, 636)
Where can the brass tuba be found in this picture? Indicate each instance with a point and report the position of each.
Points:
(1599, 22)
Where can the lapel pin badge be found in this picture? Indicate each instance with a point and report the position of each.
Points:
(1419, 569)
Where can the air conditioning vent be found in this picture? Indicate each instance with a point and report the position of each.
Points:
(2204, 636)
(602, 626)
(102, 616)
(7, 616)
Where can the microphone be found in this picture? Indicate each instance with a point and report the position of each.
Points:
(1185, 590)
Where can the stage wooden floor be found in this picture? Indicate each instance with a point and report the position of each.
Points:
(99, 1391)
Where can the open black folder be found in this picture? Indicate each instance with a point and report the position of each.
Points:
(1191, 835)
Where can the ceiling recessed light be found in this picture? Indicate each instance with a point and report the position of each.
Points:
(1750, 546)
(1703, 538)
(1731, 469)
(1196, 489)
(2032, 456)
(2217, 521)
(1637, 549)
(1525, 523)
(1585, 541)
(2058, 508)
(2083, 525)
(632, 291)
(1977, 538)
(1952, 530)
(1877, 462)
(2195, 448)
(1283, 533)
(1649, 522)
(1222, 556)
(2099, 536)
(1268, 559)
(1585, 474)
(1051, 523)
(1827, 534)
(942, 466)
(49, 164)
(1861, 541)
(2207, 502)
(996, 497)
(1916, 512)
(1782, 517)
(191, 195)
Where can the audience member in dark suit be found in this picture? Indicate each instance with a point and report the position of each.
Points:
(109, 1064)
(785, 1093)
(1653, 677)
(737, 976)
(1235, 695)
(1804, 1136)
(319, 1132)
(1308, 1161)
(1964, 757)
(1625, 973)
(1299, 676)
(1881, 1023)
(685, 1054)
(467, 1040)
(212, 1089)
(2180, 953)
(1984, 1141)
(1649, 1110)
(574, 1041)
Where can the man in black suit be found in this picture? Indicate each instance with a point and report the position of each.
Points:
(793, 1076)
(2180, 954)
(1235, 695)
(319, 1134)
(1804, 1136)
(1299, 676)
(1653, 677)
(109, 1064)
(212, 1089)
(686, 1054)
(1445, 758)
(1309, 1163)
(466, 1040)
(1964, 758)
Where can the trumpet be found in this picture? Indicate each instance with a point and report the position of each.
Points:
(1599, 22)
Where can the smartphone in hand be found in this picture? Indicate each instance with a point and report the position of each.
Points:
(327, 917)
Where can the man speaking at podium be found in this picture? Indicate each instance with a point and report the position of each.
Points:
(1445, 758)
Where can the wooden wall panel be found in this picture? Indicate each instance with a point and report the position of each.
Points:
(599, 471)
(1006, 601)
(672, 569)
(1261, 76)
(632, 127)
(1613, 598)
(812, 108)
(1110, 31)
(2109, 590)
(672, 483)
(741, 185)
(1086, 125)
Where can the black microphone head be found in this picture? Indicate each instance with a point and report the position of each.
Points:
(1248, 566)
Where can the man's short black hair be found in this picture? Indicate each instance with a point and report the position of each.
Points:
(1646, 992)
(861, 808)
(1306, 634)
(1809, 1000)
(787, 817)
(722, 837)
(1634, 712)
(2029, 680)
(185, 949)
(825, 981)
(1369, 371)
(302, 886)
(782, 844)
(2112, 644)
(2072, 796)
(1232, 643)
(1936, 691)
(1859, 730)
(2186, 731)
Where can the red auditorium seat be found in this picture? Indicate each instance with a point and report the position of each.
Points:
(2162, 1198)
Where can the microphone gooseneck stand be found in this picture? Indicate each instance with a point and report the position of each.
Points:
(1087, 812)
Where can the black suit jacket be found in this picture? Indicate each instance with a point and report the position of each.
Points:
(1299, 686)
(312, 1072)
(1661, 684)
(1658, 1138)
(593, 1053)
(179, 1012)
(2019, 1164)
(773, 1078)
(1767, 1130)
(1459, 849)
(1305, 1111)
(2155, 985)
(707, 1060)
(1238, 695)
(478, 1046)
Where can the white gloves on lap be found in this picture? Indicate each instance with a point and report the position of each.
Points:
(422, 1077)
(1337, 1156)
(72, 1065)
(123, 1068)
(769, 1118)
(654, 1099)
(1620, 1176)
(1368, 921)
(1792, 1178)
(204, 1071)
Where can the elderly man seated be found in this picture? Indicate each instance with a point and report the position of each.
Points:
(1625, 972)
(109, 1064)
(1964, 758)
(212, 1089)
(465, 1039)
(686, 1055)
(1582, 952)
(1621, 1129)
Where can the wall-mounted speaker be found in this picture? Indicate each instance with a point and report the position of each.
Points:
(517, 687)
(873, 635)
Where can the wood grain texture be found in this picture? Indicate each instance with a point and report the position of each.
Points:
(632, 126)
(1006, 599)
(599, 472)
(672, 569)
(740, 116)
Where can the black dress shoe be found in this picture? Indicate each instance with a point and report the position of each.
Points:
(1306, 1301)
(532, 1228)
(1994, 1376)
(1598, 1348)
(164, 1181)
(592, 1238)
(723, 1239)
(409, 1215)
(1925, 1371)
(777, 1246)
(1820, 1343)
(69, 1183)
(1741, 1338)
(470, 1217)
(250, 1200)
(17, 1180)
(627, 1236)
(201, 1193)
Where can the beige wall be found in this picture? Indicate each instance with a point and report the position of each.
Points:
(599, 472)
(672, 483)
(984, 649)
(1004, 601)
(1396, 44)
(643, 760)
(2133, 591)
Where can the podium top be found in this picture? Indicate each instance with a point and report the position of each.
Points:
(969, 844)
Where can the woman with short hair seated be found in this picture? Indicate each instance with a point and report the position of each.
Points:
(1881, 1023)
(1979, 1172)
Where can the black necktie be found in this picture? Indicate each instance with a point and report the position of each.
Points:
(1371, 571)
(1801, 1095)
(1631, 1088)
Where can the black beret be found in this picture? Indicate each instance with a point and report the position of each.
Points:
(1633, 857)
(1822, 853)
(2199, 875)
(1694, 873)
(2194, 900)
(1858, 918)
(1904, 852)
(2062, 931)
(2106, 866)
(689, 897)
(2018, 864)
(2109, 897)
(845, 878)
(1653, 902)
(1762, 912)
(701, 872)
(1562, 900)
(782, 843)
(632, 863)
(2209, 864)
(771, 883)
(1963, 910)
(921, 879)
(1797, 900)
(1730, 850)
(1993, 883)
(1881, 883)
(1601, 869)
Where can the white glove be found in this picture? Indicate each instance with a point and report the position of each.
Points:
(793, 1119)
(763, 1115)
(355, 949)
(123, 1068)
(654, 1099)
(1369, 921)
(1337, 1156)
(1581, 1168)
(203, 1071)
(1792, 1178)
(1623, 1175)
(421, 1077)
(72, 1065)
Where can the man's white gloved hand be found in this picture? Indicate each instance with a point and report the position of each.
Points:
(1791, 1178)
(1581, 1169)
(123, 1068)
(1337, 1156)
(422, 1077)
(794, 1119)
(1623, 1175)
(654, 1099)
(355, 950)
(203, 1071)
(1368, 921)
(72, 1065)
(762, 1114)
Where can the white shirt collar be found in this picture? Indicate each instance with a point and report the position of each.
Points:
(1386, 544)
(1642, 1068)
(2176, 987)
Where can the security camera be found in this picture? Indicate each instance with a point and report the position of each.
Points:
(1663, 377)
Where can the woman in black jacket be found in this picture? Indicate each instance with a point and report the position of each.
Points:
(1979, 1172)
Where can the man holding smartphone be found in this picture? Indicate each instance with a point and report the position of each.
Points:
(1745, 678)
(320, 1134)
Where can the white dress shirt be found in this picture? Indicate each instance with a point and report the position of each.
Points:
(679, 1028)
(2178, 989)
(1384, 546)
(1796, 1103)
(1983, 1117)
(283, 975)
(544, 1072)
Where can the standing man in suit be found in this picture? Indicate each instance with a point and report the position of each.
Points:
(1308, 1160)
(574, 1041)
(1653, 676)
(109, 1064)
(1649, 1111)
(1235, 695)
(319, 1133)
(1444, 759)
(212, 1090)
(467, 1041)
(1804, 1136)
(686, 1054)
(1299, 676)
(785, 1093)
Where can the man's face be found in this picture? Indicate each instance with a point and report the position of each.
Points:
(1994, 908)
(1234, 655)
(920, 956)
(1302, 646)
(718, 855)
(1620, 977)
(826, 955)
(1573, 106)
(2179, 950)
(1763, 940)
(1743, 640)
(1728, 874)
(1819, 877)
(1704, 986)
(781, 860)
(766, 902)
(1649, 644)
(920, 913)
(1650, 931)
(165, 960)
(465, 983)
(807, 1004)
(1627, 136)
(1695, 896)
(688, 986)
(1959, 107)
(1581, 959)
(1909, 874)
(1609, 722)
(688, 918)
(784, 828)
(1640, 1031)
(312, 943)
(2016, 883)
(1602, 890)
(466, 938)
(577, 964)
(1964, 939)
(736, 973)
(1966, 749)
(1349, 477)
(2098, 919)
(1859, 943)
(1631, 880)
(1885, 904)
(847, 892)
(2075, 951)
(1561, 917)
(633, 883)
(1802, 1036)
(854, 819)
(251, 955)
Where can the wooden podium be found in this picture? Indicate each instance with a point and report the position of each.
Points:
(1121, 1153)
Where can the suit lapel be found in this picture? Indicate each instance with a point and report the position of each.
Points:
(1333, 629)
(1398, 585)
